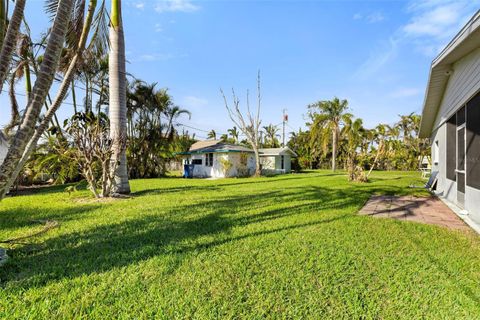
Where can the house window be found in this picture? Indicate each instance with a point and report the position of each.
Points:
(209, 159)
(197, 161)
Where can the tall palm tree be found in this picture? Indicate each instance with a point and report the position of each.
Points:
(173, 113)
(328, 115)
(354, 133)
(67, 79)
(380, 137)
(117, 99)
(43, 82)
(271, 134)
(9, 42)
(212, 135)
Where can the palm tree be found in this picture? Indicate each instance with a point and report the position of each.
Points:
(172, 114)
(212, 135)
(234, 134)
(9, 42)
(271, 136)
(329, 116)
(68, 77)
(380, 137)
(43, 82)
(354, 133)
(117, 100)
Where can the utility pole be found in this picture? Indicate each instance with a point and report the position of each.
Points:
(285, 119)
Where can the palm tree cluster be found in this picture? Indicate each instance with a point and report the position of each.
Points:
(152, 136)
(82, 48)
(335, 137)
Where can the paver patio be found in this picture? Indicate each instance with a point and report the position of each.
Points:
(429, 210)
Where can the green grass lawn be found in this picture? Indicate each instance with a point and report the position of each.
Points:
(289, 247)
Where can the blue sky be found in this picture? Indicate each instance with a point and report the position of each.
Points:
(376, 54)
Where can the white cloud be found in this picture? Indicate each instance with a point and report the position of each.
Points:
(194, 102)
(176, 6)
(139, 5)
(375, 17)
(154, 57)
(357, 16)
(432, 24)
(381, 56)
(372, 17)
(158, 27)
(405, 93)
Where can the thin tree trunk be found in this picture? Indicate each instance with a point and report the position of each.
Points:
(258, 171)
(62, 92)
(334, 149)
(117, 97)
(380, 147)
(74, 98)
(10, 40)
(8, 170)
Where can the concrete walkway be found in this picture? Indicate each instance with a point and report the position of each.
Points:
(429, 210)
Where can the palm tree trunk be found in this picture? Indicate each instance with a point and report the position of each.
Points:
(62, 92)
(8, 169)
(117, 99)
(334, 149)
(3, 20)
(10, 40)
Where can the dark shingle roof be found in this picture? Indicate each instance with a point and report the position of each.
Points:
(209, 146)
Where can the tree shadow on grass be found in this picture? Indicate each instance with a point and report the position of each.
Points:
(12, 219)
(177, 232)
(120, 244)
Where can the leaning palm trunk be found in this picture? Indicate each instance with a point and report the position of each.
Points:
(40, 90)
(377, 156)
(117, 99)
(62, 92)
(10, 41)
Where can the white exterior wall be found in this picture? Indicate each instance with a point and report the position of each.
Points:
(216, 171)
(268, 162)
(445, 187)
(274, 163)
(462, 85)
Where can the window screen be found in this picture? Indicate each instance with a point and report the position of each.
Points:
(461, 149)
(197, 161)
(451, 147)
(473, 142)
(461, 116)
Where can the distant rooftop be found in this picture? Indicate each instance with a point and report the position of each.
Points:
(209, 146)
(276, 152)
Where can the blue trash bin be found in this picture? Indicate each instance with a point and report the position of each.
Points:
(188, 170)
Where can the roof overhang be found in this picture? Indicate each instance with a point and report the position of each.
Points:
(213, 151)
(466, 41)
(277, 152)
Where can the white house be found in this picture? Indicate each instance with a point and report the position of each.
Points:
(216, 159)
(276, 160)
(451, 119)
(3, 147)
